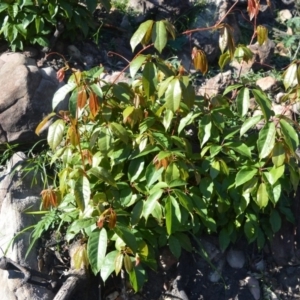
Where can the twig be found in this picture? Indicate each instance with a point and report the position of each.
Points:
(8, 264)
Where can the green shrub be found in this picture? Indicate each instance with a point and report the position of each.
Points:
(32, 22)
(149, 164)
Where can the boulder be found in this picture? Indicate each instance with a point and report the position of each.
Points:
(17, 194)
(26, 97)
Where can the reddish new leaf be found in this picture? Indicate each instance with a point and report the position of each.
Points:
(94, 104)
(82, 98)
(253, 8)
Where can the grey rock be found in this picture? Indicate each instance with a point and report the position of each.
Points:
(216, 84)
(253, 286)
(25, 99)
(17, 195)
(236, 259)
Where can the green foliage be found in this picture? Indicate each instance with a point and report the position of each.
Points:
(32, 22)
(149, 164)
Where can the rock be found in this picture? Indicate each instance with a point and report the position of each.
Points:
(112, 296)
(216, 274)
(115, 77)
(26, 97)
(262, 54)
(253, 286)
(242, 68)
(162, 8)
(236, 259)
(267, 83)
(216, 84)
(211, 251)
(284, 15)
(17, 195)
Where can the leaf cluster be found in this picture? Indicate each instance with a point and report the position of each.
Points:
(32, 21)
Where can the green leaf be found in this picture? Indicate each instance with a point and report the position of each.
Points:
(140, 33)
(172, 214)
(205, 128)
(109, 264)
(96, 248)
(262, 197)
(188, 119)
(66, 7)
(105, 140)
(56, 133)
(276, 173)
(172, 173)
(102, 174)
(168, 117)
(119, 263)
(148, 149)
(245, 175)
(266, 140)
(150, 203)
(290, 136)
(136, 212)
(239, 147)
(135, 168)
(3, 6)
(149, 79)
(37, 23)
(164, 85)
(127, 236)
(185, 200)
(135, 64)
(249, 123)
(278, 155)
(152, 174)
(210, 223)
(13, 10)
(119, 131)
(243, 101)
(231, 88)
(170, 28)
(91, 5)
(42, 41)
(250, 229)
(97, 90)
(137, 277)
(174, 246)
(214, 169)
(61, 94)
(224, 59)
(173, 95)
(275, 220)
(82, 192)
(224, 239)
(264, 102)
(159, 35)
(184, 241)
(80, 224)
